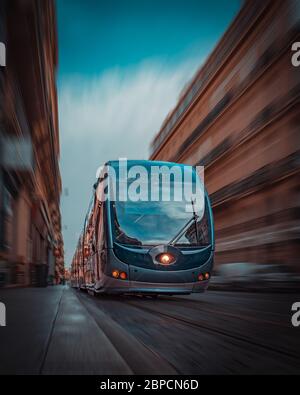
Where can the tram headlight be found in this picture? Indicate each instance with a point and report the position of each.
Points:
(203, 276)
(115, 273)
(123, 276)
(200, 277)
(165, 259)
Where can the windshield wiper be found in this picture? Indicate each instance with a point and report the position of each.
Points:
(181, 231)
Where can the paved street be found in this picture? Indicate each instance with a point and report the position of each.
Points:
(59, 330)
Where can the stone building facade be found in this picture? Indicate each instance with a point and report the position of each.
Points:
(239, 117)
(31, 245)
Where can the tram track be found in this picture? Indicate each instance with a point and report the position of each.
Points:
(213, 330)
(135, 331)
(253, 320)
(146, 359)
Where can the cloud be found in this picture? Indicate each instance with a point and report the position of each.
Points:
(112, 116)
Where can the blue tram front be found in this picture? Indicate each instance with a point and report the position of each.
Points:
(148, 235)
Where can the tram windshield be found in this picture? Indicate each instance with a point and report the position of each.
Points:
(167, 219)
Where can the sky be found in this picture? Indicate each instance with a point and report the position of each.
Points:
(122, 66)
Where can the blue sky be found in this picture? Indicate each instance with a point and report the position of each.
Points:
(95, 35)
(122, 65)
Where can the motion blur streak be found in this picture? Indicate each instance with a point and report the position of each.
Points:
(31, 247)
(239, 117)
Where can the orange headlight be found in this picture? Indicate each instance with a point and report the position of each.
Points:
(203, 276)
(206, 276)
(165, 258)
(115, 274)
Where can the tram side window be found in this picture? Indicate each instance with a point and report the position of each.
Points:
(100, 228)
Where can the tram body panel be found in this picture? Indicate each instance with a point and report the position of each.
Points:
(110, 285)
(142, 280)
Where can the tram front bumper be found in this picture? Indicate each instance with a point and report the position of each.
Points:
(116, 286)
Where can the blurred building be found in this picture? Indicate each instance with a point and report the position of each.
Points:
(239, 117)
(31, 245)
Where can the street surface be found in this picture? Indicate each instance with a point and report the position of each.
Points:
(58, 330)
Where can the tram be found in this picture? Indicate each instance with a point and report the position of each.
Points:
(149, 230)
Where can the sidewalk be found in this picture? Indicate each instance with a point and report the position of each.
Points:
(50, 332)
